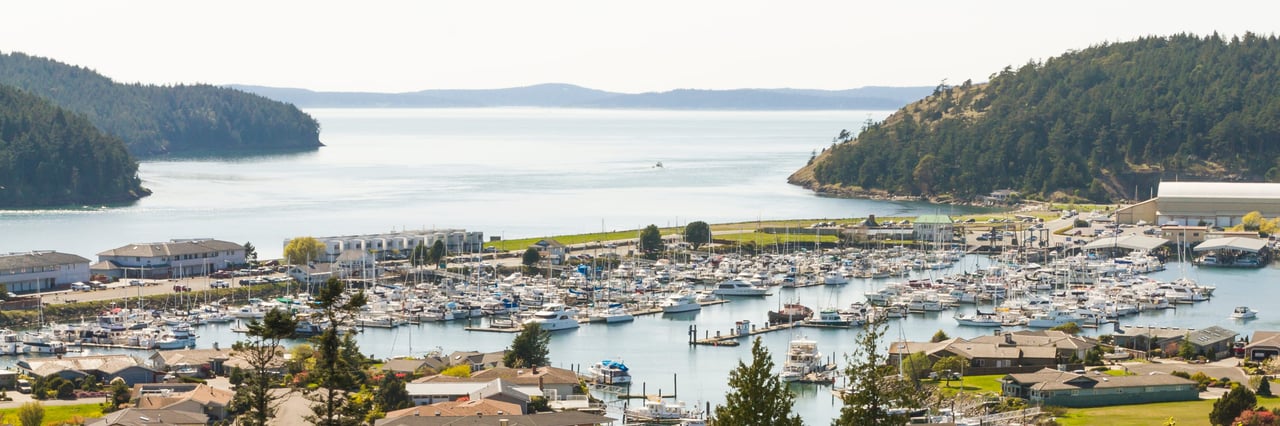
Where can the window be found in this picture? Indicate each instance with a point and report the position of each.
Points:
(1075, 393)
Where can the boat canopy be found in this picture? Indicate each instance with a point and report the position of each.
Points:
(614, 364)
(1237, 243)
(1131, 242)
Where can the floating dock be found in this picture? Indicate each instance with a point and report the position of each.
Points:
(741, 329)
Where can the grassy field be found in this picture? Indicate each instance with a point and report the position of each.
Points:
(1186, 413)
(980, 384)
(56, 414)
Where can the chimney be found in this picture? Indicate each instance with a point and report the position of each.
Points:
(502, 422)
(1008, 338)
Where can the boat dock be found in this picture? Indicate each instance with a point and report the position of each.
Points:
(741, 329)
(515, 327)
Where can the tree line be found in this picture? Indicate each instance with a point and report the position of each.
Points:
(51, 156)
(1089, 124)
(157, 120)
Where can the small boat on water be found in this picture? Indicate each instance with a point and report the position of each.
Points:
(736, 287)
(791, 312)
(831, 317)
(979, 319)
(613, 313)
(610, 372)
(1244, 312)
(555, 316)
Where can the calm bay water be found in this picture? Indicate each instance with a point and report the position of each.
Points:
(507, 172)
(535, 172)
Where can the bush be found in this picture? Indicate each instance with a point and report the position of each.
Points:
(1182, 374)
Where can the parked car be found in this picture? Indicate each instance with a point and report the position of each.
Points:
(181, 288)
(24, 386)
(219, 284)
(80, 286)
(137, 283)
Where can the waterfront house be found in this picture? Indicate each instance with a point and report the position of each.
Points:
(214, 361)
(311, 273)
(1063, 343)
(1065, 389)
(551, 250)
(148, 417)
(983, 357)
(172, 259)
(39, 271)
(1147, 338)
(188, 397)
(1263, 345)
(104, 367)
(564, 418)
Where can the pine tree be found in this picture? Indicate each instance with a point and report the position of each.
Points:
(757, 396)
(873, 388)
(335, 374)
(1229, 406)
(1264, 386)
(529, 348)
(262, 351)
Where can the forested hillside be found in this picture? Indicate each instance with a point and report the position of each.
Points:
(1088, 124)
(51, 156)
(154, 120)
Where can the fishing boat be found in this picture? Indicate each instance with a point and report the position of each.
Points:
(790, 312)
(1243, 312)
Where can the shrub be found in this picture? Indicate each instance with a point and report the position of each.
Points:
(1182, 374)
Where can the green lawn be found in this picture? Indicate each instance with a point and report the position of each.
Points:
(1186, 413)
(56, 414)
(979, 384)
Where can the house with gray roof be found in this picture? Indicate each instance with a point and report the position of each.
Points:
(39, 271)
(1263, 345)
(174, 258)
(984, 357)
(105, 367)
(1214, 342)
(934, 227)
(1065, 389)
(148, 417)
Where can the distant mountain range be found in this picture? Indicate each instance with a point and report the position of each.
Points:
(570, 96)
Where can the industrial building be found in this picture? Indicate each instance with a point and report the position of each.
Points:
(1221, 204)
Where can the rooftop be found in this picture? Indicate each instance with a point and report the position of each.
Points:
(1219, 190)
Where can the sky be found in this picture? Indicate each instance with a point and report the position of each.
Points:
(623, 46)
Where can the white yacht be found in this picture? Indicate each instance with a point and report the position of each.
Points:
(1243, 312)
(680, 302)
(612, 314)
(555, 316)
(979, 319)
(804, 362)
(9, 344)
(739, 288)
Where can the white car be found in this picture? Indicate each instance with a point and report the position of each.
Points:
(137, 283)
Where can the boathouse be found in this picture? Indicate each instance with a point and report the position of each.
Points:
(934, 228)
(1222, 204)
(39, 271)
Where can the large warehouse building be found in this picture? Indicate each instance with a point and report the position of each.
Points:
(1211, 203)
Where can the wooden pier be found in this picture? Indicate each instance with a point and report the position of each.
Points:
(731, 338)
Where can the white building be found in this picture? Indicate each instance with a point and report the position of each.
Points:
(388, 245)
(1204, 204)
(39, 271)
(175, 258)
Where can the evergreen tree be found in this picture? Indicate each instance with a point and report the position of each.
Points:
(437, 252)
(250, 252)
(529, 348)
(697, 233)
(651, 240)
(261, 350)
(334, 373)
(873, 388)
(419, 256)
(531, 257)
(1264, 387)
(121, 393)
(1229, 406)
(392, 394)
(756, 395)
(939, 336)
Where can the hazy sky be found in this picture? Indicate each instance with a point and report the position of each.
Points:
(638, 46)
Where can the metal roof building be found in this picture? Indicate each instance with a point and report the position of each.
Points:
(1212, 203)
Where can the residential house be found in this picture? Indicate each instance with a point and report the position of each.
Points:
(104, 367)
(468, 408)
(1213, 342)
(564, 418)
(1263, 345)
(1064, 389)
(40, 271)
(175, 258)
(188, 397)
(415, 367)
(551, 250)
(215, 361)
(434, 389)
(981, 357)
(1148, 338)
(149, 417)
(1064, 343)
(477, 360)
(554, 382)
(311, 273)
